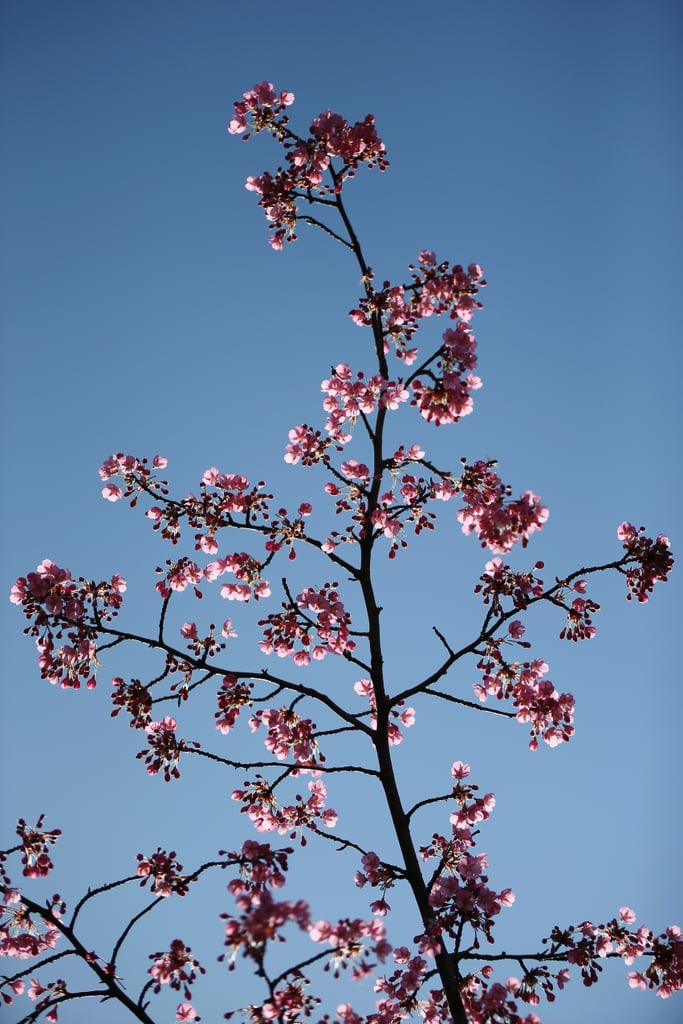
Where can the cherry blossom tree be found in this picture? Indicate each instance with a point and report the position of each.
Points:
(377, 495)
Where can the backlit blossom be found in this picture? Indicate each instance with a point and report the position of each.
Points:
(185, 1012)
(112, 493)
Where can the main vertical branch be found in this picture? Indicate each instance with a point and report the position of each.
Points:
(399, 819)
(444, 961)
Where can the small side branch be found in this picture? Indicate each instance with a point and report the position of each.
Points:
(469, 704)
(281, 765)
(314, 222)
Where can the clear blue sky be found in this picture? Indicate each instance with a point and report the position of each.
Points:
(143, 311)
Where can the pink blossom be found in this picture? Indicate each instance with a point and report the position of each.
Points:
(167, 724)
(208, 544)
(164, 870)
(380, 907)
(637, 980)
(176, 968)
(35, 989)
(112, 493)
(185, 1012)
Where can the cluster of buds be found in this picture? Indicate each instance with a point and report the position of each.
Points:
(176, 967)
(164, 871)
(164, 750)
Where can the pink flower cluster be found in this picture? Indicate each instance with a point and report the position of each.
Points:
(41, 995)
(349, 397)
(262, 920)
(260, 866)
(435, 290)
(653, 557)
(287, 1002)
(279, 201)
(178, 576)
(20, 935)
(134, 698)
(306, 446)
(665, 971)
(433, 1009)
(164, 748)
(247, 570)
(450, 397)
(459, 892)
(400, 714)
(376, 874)
(164, 870)
(268, 815)
(288, 735)
(464, 896)
(177, 968)
(579, 624)
(485, 1004)
(391, 516)
(472, 810)
(400, 989)
(263, 106)
(499, 581)
(295, 634)
(535, 979)
(35, 845)
(353, 144)
(307, 159)
(498, 524)
(232, 697)
(285, 531)
(136, 474)
(586, 944)
(353, 941)
(448, 400)
(56, 602)
(225, 499)
(549, 713)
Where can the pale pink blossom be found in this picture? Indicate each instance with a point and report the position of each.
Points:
(112, 493)
(185, 1012)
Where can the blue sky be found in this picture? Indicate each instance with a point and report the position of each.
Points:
(144, 312)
